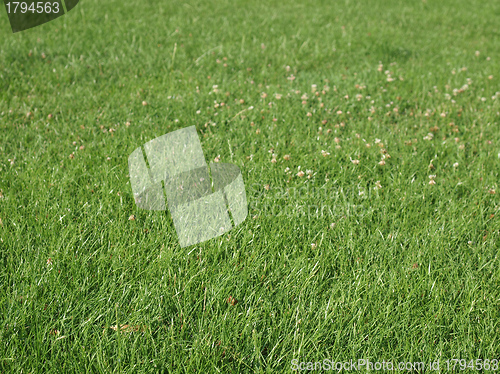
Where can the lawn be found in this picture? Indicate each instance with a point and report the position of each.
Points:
(367, 134)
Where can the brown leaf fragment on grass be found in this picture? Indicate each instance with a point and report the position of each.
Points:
(128, 328)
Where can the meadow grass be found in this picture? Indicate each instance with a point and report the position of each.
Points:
(367, 136)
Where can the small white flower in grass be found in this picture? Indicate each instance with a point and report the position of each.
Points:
(477, 53)
(432, 182)
(309, 114)
(355, 162)
(198, 111)
(144, 103)
(431, 177)
(287, 169)
(286, 157)
(491, 191)
(382, 163)
(336, 140)
(325, 153)
(217, 159)
(300, 173)
(339, 112)
(131, 218)
(378, 186)
(313, 245)
(455, 165)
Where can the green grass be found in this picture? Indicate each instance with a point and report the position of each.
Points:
(405, 272)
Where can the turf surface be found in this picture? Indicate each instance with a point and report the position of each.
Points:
(367, 136)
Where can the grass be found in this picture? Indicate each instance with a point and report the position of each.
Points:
(349, 261)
